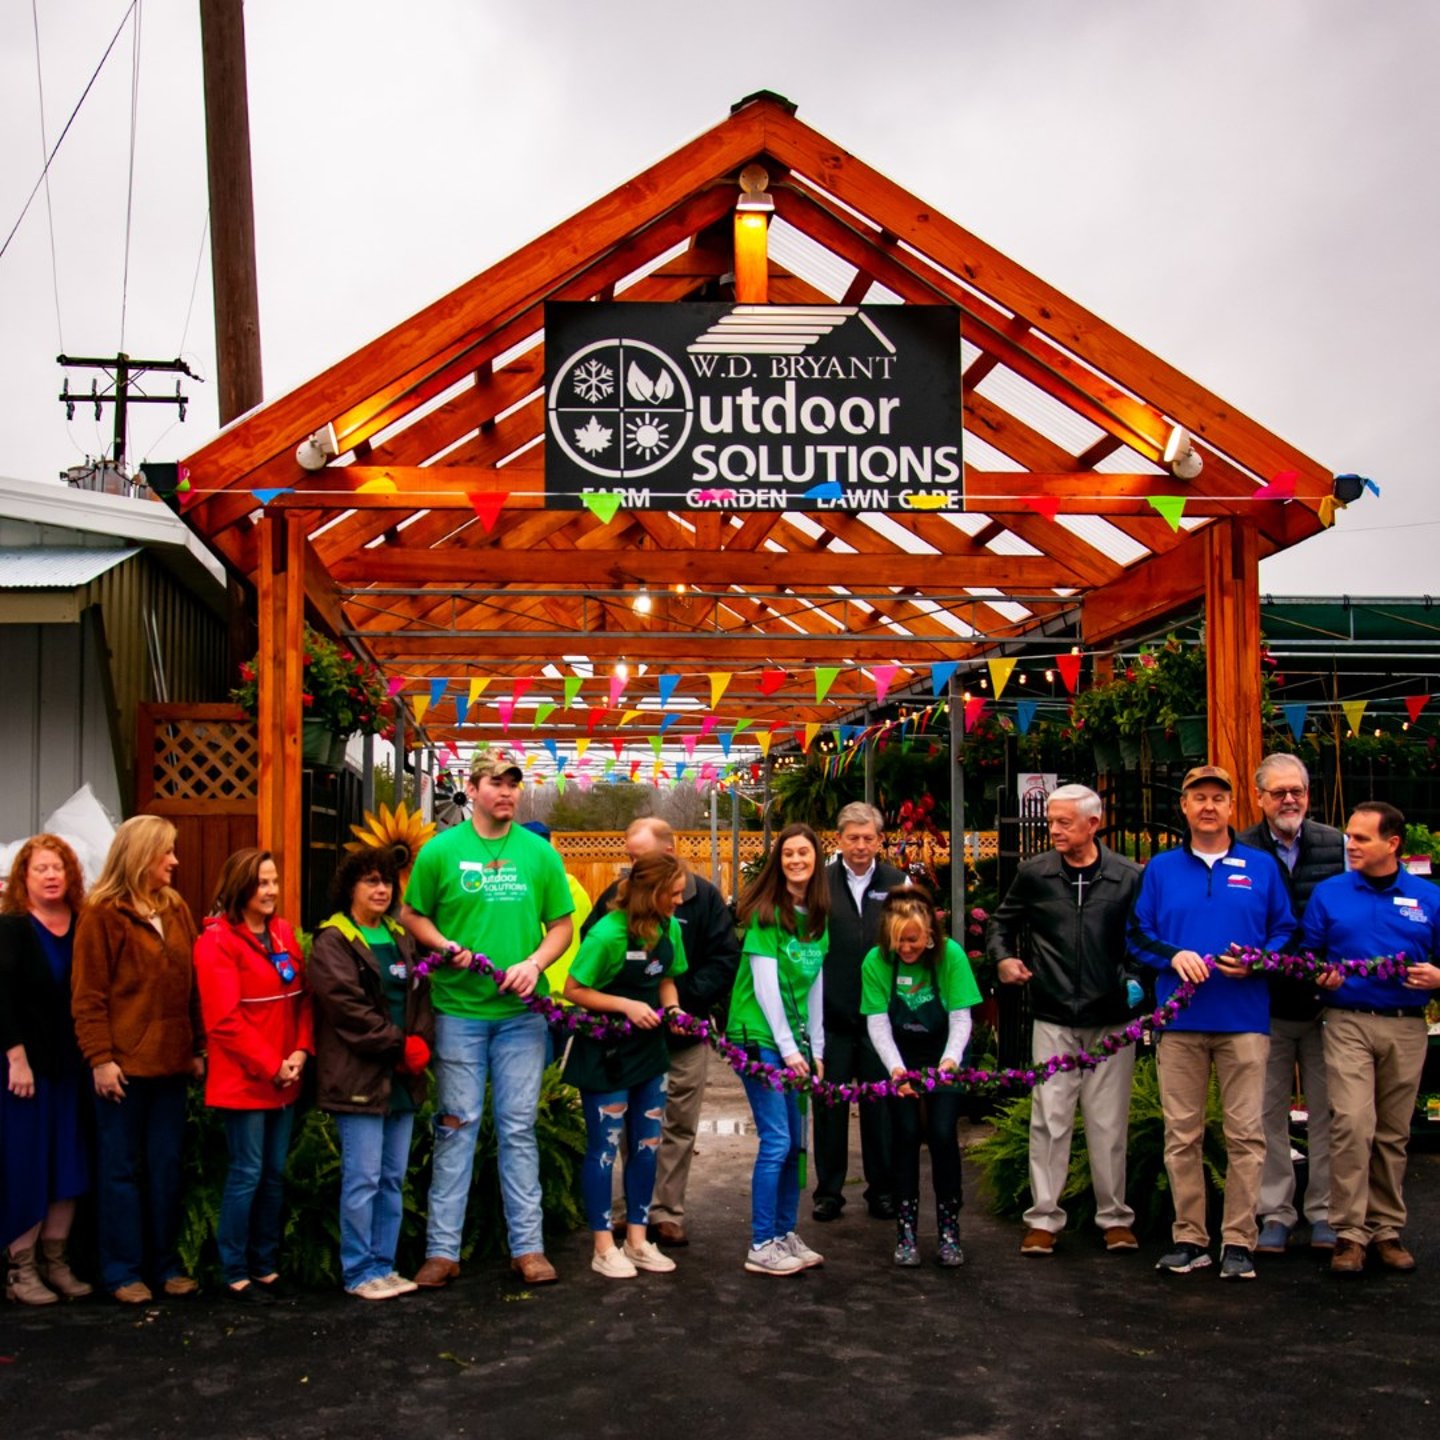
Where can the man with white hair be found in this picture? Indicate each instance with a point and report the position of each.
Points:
(1067, 913)
(1307, 853)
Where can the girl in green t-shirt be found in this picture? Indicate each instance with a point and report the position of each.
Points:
(917, 990)
(626, 967)
(776, 1013)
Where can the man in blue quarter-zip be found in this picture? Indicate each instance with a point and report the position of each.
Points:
(1203, 898)
(1375, 1035)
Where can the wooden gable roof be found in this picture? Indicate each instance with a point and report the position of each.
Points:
(1065, 423)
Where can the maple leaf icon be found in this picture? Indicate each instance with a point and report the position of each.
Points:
(593, 437)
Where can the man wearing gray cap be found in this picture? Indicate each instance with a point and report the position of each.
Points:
(494, 889)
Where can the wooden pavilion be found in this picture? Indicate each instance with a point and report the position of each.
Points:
(426, 540)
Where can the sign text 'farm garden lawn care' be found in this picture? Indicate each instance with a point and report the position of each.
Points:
(753, 407)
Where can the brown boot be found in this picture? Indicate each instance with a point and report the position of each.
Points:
(55, 1267)
(24, 1284)
(1348, 1259)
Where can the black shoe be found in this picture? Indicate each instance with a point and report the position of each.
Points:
(882, 1207)
(252, 1294)
(827, 1208)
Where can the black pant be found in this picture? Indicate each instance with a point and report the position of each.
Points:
(848, 1057)
(932, 1119)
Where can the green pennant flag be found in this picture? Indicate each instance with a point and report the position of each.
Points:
(602, 504)
(656, 744)
(741, 725)
(543, 712)
(560, 781)
(825, 676)
(572, 685)
(1169, 507)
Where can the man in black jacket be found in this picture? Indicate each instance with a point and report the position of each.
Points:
(859, 883)
(1073, 905)
(1307, 853)
(712, 956)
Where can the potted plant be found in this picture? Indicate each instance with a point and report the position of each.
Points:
(340, 694)
(1097, 715)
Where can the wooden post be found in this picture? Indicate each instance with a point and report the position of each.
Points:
(957, 811)
(752, 257)
(1232, 644)
(281, 577)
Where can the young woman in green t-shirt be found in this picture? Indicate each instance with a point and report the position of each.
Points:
(776, 1013)
(626, 968)
(917, 990)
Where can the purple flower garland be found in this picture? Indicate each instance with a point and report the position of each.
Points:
(574, 1020)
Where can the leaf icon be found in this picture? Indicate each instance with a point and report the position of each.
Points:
(664, 387)
(638, 385)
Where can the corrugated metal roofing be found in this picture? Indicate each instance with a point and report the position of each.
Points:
(58, 567)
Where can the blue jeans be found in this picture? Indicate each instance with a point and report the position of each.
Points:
(138, 1144)
(775, 1184)
(638, 1112)
(249, 1231)
(512, 1053)
(374, 1155)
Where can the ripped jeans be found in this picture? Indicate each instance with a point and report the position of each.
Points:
(636, 1113)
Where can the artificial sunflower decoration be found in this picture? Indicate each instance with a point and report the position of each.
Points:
(402, 831)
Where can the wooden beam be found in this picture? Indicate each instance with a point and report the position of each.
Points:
(725, 650)
(1232, 644)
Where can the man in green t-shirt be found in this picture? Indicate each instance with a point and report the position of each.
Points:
(490, 888)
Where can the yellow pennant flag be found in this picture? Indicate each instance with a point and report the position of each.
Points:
(763, 741)
(1354, 713)
(629, 715)
(477, 689)
(719, 683)
(532, 760)
(811, 731)
(582, 744)
(420, 704)
(1000, 675)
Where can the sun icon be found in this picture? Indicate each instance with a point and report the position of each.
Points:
(645, 434)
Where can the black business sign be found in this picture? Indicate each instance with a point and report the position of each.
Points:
(753, 407)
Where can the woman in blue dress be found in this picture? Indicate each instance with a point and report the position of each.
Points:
(44, 1160)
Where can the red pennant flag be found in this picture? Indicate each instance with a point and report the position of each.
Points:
(521, 686)
(1415, 704)
(597, 713)
(1069, 668)
(617, 745)
(974, 709)
(772, 680)
(1046, 505)
(634, 768)
(488, 505)
(754, 773)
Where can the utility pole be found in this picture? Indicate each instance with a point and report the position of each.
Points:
(124, 375)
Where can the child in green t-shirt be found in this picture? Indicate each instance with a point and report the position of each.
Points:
(917, 992)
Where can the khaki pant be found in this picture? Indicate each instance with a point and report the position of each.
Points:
(1183, 1060)
(677, 1137)
(1296, 1042)
(1103, 1095)
(1374, 1064)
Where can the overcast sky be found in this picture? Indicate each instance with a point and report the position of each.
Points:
(1247, 187)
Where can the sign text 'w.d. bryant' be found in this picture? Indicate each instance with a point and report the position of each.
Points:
(753, 407)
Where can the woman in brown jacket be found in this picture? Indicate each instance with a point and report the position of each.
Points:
(374, 1027)
(137, 1021)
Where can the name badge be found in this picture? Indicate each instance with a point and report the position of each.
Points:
(876, 895)
(1233, 860)
(1238, 882)
(635, 954)
(1406, 900)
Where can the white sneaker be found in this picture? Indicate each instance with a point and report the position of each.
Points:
(647, 1256)
(376, 1289)
(773, 1258)
(399, 1284)
(801, 1251)
(613, 1265)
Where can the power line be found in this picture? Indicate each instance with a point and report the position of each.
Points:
(44, 146)
(51, 158)
(130, 179)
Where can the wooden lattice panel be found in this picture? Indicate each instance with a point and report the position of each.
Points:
(198, 756)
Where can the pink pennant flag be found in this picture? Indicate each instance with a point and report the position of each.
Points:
(690, 742)
(883, 675)
(1281, 487)
(506, 709)
(708, 724)
(395, 685)
(617, 688)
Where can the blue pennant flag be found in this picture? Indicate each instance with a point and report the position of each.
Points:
(666, 721)
(1025, 715)
(681, 766)
(437, 689)
(940, 675)
(462, 709)
(666, 688)
(1295, 718)
(829, 490)
(726, 736)
(554, 750)
(266, 496)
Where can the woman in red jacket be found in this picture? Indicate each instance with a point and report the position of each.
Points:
(256, 1008)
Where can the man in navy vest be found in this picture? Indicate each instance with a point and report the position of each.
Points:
(1375, 1033)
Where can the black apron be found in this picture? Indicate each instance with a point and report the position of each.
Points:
(622, 1062)
(920, 1032)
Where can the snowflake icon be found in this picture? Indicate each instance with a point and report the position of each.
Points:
(593, 381)
(593, 437)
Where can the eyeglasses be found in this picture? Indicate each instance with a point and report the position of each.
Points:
(1288, 792)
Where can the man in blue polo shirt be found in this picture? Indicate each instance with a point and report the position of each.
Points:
(1200, 899)
(1375, 1034)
